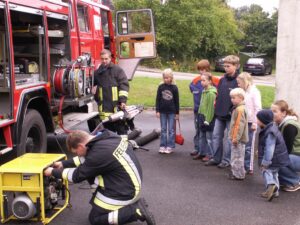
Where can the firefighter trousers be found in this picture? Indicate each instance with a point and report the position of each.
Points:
(127, 214)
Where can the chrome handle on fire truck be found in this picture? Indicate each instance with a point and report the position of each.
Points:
(82, 43)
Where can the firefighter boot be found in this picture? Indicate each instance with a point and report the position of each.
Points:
(143, 212)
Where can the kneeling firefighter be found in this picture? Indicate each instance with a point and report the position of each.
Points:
(109, 160)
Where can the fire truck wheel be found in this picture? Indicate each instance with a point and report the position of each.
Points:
(34, 136)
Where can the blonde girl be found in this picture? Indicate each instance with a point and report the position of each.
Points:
(167, 110)
(253, 105)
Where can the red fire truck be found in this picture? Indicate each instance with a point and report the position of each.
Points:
(49, 50)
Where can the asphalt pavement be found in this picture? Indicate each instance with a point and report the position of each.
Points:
(182, 191)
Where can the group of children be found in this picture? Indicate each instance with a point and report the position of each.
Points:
(229, 106)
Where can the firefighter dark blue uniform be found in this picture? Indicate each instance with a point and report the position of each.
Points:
(113, 88)
(111, 162)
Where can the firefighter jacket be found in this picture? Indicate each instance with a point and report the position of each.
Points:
(113, 88)
(111, 162)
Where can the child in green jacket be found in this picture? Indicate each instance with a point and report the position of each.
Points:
(206, 116)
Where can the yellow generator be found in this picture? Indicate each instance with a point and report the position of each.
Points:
(26, 194)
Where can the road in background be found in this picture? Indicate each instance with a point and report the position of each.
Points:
(267, 80)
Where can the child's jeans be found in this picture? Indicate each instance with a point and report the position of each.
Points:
(218, 135)
(249, 150)
(271, 176)
(237, 160)
(167, 136)
(205, 143)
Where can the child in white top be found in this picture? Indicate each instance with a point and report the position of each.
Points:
(253, 105)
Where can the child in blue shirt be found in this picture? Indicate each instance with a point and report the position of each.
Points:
(196, 89)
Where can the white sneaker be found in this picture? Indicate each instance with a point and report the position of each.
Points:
(168, 150)
(162, 150)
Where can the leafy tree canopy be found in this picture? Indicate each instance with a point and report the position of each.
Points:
(260, 30)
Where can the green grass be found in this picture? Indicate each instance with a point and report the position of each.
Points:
(143, 92)
(267, 95)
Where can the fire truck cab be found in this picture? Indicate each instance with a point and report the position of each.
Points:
(49, 50)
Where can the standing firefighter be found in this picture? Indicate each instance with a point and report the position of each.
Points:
(111, 91)
(110, 161)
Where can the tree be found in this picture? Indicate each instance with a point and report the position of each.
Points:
(259, 29)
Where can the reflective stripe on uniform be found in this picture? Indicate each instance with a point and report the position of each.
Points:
(114, 202)
(104, 115)
(67, 174)
(100, 107)
(78, 160)
(113, 217)
(106, 206)
(114, 91)
(99, 181)
(124, 136)
(123, 93)
(127, 163)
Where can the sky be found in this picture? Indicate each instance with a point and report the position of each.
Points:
(267, 5)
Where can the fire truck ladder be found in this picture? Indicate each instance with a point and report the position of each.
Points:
(5, 126)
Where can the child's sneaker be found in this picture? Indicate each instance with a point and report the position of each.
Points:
(206, 158)
(265, 194)
(168, 150)
(291, 188)
(271, 191)
(162, 150)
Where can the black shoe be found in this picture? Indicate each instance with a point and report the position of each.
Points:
(211, 162)
(145, 214)
(223, 165)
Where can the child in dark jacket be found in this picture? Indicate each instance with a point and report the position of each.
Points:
(272, 153)
(223, 109)
(167, 109)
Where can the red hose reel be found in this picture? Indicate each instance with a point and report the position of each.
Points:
(69, 82)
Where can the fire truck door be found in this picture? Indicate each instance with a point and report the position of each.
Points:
(5, 69)
(135, 38)
(85, 28)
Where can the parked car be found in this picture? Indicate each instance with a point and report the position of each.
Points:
(219, 64)
(258, 66)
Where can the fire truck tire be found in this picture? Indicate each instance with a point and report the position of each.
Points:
(34, 135)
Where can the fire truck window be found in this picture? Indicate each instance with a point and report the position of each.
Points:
(125, 50)
(134, 22)
(29, 48)
(105, 29)
(83, 18)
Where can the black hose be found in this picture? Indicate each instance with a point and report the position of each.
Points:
(134, 134)
(141, 141)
